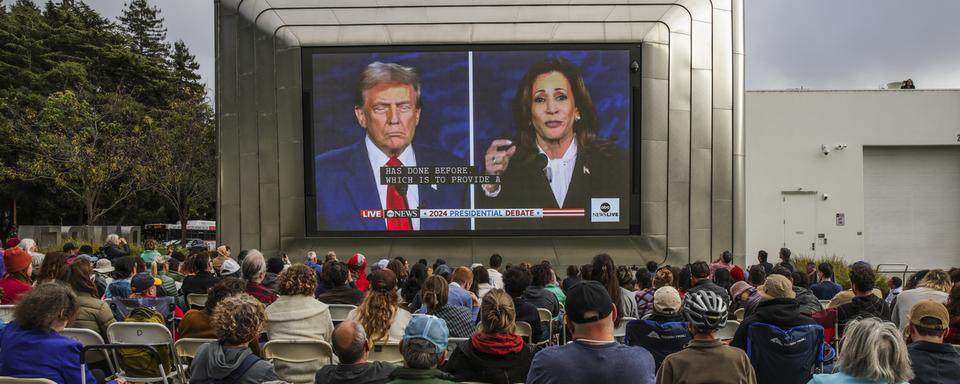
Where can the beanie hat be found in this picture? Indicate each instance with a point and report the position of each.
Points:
(16, 259)
(357, 262)
(12, 241)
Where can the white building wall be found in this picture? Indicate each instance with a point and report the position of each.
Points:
(784, 134)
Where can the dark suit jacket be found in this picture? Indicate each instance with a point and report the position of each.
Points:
(596, 174)
(346, 184)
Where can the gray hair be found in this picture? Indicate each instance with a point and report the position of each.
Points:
(351, 353)
(253, 265)
(27, 244)
(873, 349)
(312, 256)
(420, 354)
(381, 73)
(113, 238)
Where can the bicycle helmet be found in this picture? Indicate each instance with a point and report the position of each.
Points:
(705, 311)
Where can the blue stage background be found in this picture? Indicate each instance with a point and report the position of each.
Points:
(498, 73)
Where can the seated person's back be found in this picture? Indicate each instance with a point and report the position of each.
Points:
(351, 347)
(594, 356)
(335, 275)
(665, 331)
(237, 321)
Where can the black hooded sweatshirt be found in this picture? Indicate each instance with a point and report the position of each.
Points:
(468, 364)
(784, 313)
(376, 372)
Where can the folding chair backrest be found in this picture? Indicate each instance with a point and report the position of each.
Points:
(88, 337)
(660, 339)
(786, 356)
(153, 334)
(524, 330)
(196, 300)
(187, 347)
(17, 380)
(298, 351)
(164, 305)
(739, 313)
(389, 352)
(453, 343)
(729, 330)
(338, 312)
(6, 312)
(621, 331)
(138, 333)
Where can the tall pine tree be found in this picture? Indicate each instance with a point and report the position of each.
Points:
(145, 27)
(184, 68)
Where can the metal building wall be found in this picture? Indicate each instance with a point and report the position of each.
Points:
(691, 116)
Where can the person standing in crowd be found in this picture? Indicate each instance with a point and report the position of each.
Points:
(32, 344)
(605, 272)
(115, 247)
(933, 361)
(357, 266)
(935, 286)
(594, 356)
(705, 313)
(495, 354)
(896, 286)
(253, 271)
(778, 307)
(826, 288)
(223, 254)
(424, 348)
(17, 281)
(785, 259)
(762, 259)
(744, 296)
(380, 312)
(811, 271)
(335, 276)
(700, 280)
(873, 352)
(237, 322)
(436, 302)
(515, 282)
(352, 348)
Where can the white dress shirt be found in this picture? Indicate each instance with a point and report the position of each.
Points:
(560, 171)
(379, 159)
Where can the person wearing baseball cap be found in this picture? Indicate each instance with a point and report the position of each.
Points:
(424, 348)
(594, 356)
(933, 361)
(665, 331)
(16, 281)
(143, 285)
(778, 307)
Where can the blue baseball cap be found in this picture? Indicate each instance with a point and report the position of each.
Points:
(430, 328)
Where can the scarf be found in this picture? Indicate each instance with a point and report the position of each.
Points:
(497, 344)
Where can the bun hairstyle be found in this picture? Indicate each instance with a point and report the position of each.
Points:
(434, 293)
(663, 278)
(497, 313)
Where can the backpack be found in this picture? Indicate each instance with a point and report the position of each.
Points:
(233, 377)
(137, 362)
(660, 339)
(787, 356)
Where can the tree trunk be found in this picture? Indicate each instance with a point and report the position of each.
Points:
(183, 211)
(88, 204)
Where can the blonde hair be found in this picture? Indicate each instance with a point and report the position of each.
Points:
(376, 313)
(238, 319)
(497, 313)
(936, 279)
(873, 349)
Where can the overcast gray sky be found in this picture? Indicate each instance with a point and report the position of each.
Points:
(823, 44)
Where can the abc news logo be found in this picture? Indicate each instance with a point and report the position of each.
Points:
(605, 210)
(390, 213)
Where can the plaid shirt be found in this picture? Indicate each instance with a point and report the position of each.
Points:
(261, 293)
(645, 302)
(459, 320)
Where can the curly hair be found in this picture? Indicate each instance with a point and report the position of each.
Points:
(297, 280)
(150, 244)
(238, 319)
(663, 278)
(46, 305)
(540, 275)
(936, 279)
(54, 267)
(625, 277)
(434, 293)
(377, 311)
(226, 287)
(862, 278)
(497, 313)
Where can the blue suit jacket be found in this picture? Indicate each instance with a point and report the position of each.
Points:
(346, 184)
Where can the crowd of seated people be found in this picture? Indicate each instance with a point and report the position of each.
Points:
(672, 320)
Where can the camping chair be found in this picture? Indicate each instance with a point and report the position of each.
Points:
(186, 349)
(728, 330)
(293, 357)
(788, 356)
(621, 331)
(89, 337)
(196, 300)
(388, 352)
(6, 312)
(339, 312)
(113, 348)
(660, 339)
(151, 334)
(166, 306)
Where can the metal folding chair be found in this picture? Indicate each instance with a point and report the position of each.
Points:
(153, 334)
(525, 331)
(113, 348)
(339, 312)
(89, 337)
(186, 349)
(196, 300)
(295, 356)
(389, 352)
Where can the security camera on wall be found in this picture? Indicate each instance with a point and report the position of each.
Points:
(825, 149)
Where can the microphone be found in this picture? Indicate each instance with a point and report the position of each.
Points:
(542, 162)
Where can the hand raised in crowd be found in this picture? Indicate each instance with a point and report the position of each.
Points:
(495, 161)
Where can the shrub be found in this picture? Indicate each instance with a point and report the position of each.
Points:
(841, 271)
(135, 249)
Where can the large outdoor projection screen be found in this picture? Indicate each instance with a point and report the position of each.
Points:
(490, 140)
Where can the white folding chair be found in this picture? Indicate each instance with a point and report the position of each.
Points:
(389, 353)
(196, 300)
(89, 337)
(6, 312)
(728, 330)
(339, 312)
(739, 313)
(292, 357)
(621, 332)
(17, 380)
(186, 349)
(152, 334)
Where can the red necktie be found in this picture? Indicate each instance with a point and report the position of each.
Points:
(397, 201)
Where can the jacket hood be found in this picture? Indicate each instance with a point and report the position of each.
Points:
(534, 293)
(221, 361)
(499, 361)
(297, 307)
(371, 372)
(779, 311)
